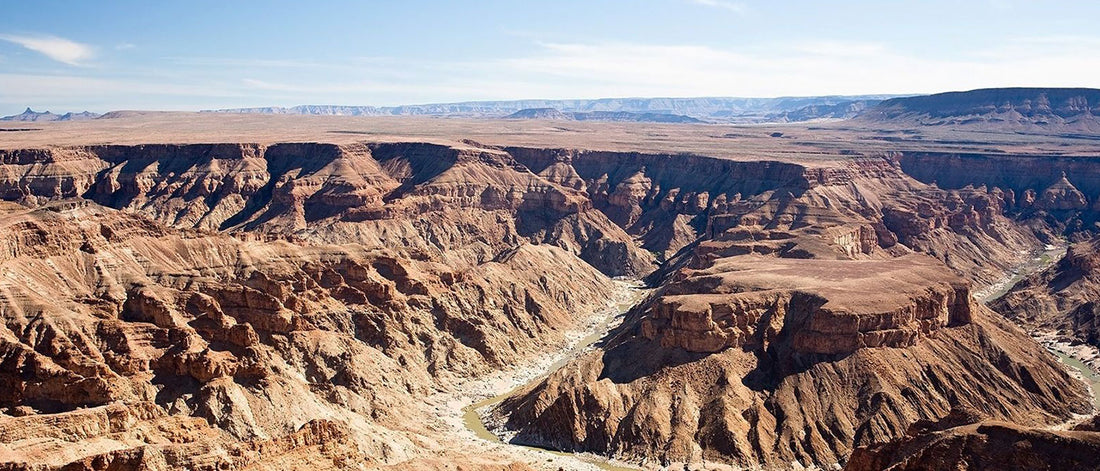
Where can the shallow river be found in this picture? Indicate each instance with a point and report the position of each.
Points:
(1088, 375)
(472, 419)
(1050, 256)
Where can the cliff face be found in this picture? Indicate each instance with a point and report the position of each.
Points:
(1031, 109)
(1056, 196)
(249, 301)
(670, 201)
(956, 443)
(288, 189)
(253, 340)
(738, 304)
(805, 285)
(1027, 183)
(758, 361)
(1061, 298)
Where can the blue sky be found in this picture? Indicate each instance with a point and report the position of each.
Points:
(188, 55)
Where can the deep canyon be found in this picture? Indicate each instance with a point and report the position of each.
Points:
(315, 296)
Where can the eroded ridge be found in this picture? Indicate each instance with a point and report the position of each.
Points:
(220, 305)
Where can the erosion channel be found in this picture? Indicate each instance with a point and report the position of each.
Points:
(1050, 255)
(602, 324)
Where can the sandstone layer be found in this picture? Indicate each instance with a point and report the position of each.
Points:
(956, 443)
(237, 305)
(800, 325)
(756, 361)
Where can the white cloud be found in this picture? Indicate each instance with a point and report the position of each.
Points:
(735, 7)
(778, 69)
(124, 46)
(58, 49)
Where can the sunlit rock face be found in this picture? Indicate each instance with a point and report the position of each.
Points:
(230, 305)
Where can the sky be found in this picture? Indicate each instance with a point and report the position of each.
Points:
(189, 55)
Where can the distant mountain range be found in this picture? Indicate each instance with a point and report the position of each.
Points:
(615, 116)
(33, 116)
(1042, 110)
(1013, 109)
(710, 109)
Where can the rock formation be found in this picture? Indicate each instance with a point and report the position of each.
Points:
(1062, 298)
(760, 360)
(957, 442)
(1045, 110)
(236, 305)
(256, 289)
(807, 286)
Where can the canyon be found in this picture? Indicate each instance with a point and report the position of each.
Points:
(251, 291)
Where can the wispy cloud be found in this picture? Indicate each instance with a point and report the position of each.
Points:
(728, 5)
(58, 49)
(124, 46)
(823, 66)
(794, 68)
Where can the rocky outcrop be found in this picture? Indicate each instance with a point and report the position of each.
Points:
(769, 361)
(254, 302)
(1056, 194)
(173, 443)
(1045, 110)
(946, 445)
(741, 304)
(1062, 297)
(1062, 196)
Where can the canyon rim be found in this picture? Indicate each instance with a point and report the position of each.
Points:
(861, 270)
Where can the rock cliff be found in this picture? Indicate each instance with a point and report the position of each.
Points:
(1061, 298)
(799, 285)
(233, 305)
(949, 445)
(758, 361)
(1026, 109)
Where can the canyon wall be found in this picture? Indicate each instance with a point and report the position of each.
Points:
(1062, 298)
(776, 362)
(807, 287)
(1063, 191)
(245, 297)
(957, 441)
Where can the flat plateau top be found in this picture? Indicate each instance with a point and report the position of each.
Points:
(803, 142)
(859, 286)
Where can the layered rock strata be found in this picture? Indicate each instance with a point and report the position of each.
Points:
(221, 305)
(949, 445)
(1063, 297)
(759, 361)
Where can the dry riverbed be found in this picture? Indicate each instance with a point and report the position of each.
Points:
(458, 409)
